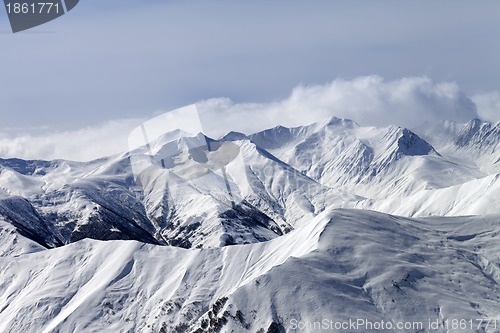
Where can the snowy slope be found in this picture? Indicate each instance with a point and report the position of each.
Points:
(476, 142)
(77, 200)
(369, 161)
(475, 197)
(19, 212)
(192, 191)
(345, 264)
(13, 244)
(168, 212)
(254, 197)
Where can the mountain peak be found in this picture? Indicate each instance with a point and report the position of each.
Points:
(234, 136)
(335, 121)
(477, 131)
(411, 144)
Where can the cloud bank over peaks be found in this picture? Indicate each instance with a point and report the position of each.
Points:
(83, 144)
(488, 105)
(368, 100)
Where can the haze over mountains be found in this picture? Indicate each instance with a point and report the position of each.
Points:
(294, 187)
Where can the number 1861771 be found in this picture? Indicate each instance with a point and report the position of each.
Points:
(33, 8)
(471, 324)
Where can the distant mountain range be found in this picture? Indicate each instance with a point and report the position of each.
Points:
(140, 241)
(282, 178)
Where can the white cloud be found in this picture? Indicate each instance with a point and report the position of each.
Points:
(368, 100)
(488, 105)
(81, 145)
(98, 66)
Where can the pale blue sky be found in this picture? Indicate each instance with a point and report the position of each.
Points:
(115, 59)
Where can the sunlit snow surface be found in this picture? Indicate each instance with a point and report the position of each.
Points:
(345, 264)
(149, 252)
(272, 182)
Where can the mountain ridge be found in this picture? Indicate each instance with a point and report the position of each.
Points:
(273, 232)
(270, 182)
(345, 264)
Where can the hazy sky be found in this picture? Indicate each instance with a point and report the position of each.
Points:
(121, 61)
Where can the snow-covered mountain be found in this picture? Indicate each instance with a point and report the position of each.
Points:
(476, 142)
(139, 240)
(369, 161)
(343, 265)
(200, 192)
